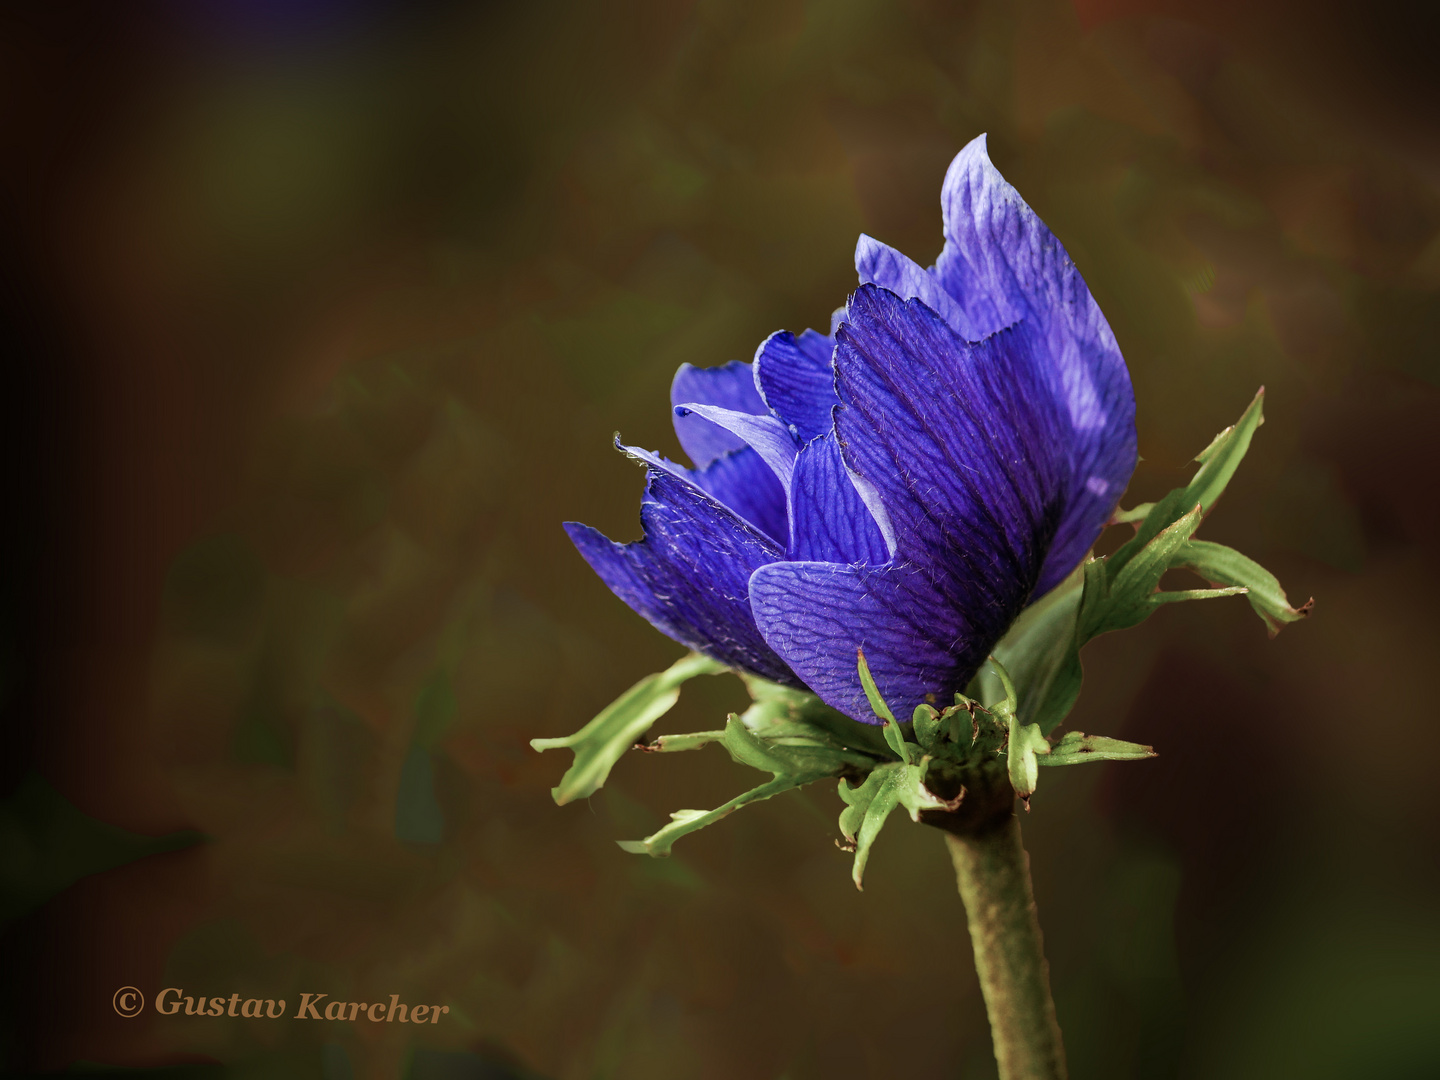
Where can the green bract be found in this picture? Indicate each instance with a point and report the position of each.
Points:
(1001, 724)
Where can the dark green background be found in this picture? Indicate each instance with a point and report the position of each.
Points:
(325, 315)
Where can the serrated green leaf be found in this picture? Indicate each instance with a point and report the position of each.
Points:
(788, 733)
(782, 714)
(1218, 463)
(959, 722)
(906, 751)
(789, 756)
(868, 805)
(1026, 744)
(890, 727)
(792, 766)
(1141, 576)
(1129, 595)
(926, 722)
(601, 742)
(683, 822)
(1077, 747)
(1222, 457)
(1224, 566)
(1006, 707)
(748, 749)
(673, 744)
(1171, 596)
(877, 703)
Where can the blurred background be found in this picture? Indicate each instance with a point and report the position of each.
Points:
(321, 316)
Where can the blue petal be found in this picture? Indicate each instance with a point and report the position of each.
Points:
(1001, 265)
(797, 380)
(883, 265)
(768, 435)
(740, 480)
(1101, 465)
(730, 386)
(965, 446)
(690, 574)
(999, 257)
(963, 442)
(917, 643)
(829, 519)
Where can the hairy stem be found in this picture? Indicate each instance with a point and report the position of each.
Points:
(994, 876)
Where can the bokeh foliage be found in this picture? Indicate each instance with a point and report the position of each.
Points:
(365, 294)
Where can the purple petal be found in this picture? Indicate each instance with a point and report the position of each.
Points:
(746, 484)
(1002, 265)
(964, 446)
(829, 520)
(1101, 462)
(740, 480)
(917, 642)
(690, 574)
(959, 440)
(998, 253)
(883, 265)
(768, 435)
(797, 380)
(729, 386)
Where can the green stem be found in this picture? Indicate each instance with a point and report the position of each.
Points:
(994, 876)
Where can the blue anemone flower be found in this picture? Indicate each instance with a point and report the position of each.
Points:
(906, 484)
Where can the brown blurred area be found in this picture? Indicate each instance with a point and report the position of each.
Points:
(321, 316)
